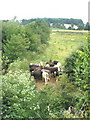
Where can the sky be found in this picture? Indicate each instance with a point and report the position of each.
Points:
(27, 9)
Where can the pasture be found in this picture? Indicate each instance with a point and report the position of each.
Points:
(62, 43)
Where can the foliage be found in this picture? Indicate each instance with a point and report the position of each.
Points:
(77, 67)
(58, 25)
(87, 26)
(16, 47)
(19, 65)
(18, 39)
(19, 95)
(9, 28)
(38, 34)
(81, 27)
(21, 99)
(56, 20)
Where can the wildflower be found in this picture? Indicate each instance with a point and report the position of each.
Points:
(85, 86)
(88, 111)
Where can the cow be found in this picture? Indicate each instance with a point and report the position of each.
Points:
(51, 69)
(34, 67)
(41, 74)
(49, 64)
(37, 75)
(57, 64)
(41, 64)
(53, 64)
(45, 76)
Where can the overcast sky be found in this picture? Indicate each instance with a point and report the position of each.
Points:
(27, 9)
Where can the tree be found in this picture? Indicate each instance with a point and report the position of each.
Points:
(87, 26)
(38, 34)
(16, 47)
(9, 28)
(80, 27)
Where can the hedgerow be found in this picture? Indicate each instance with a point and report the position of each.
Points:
(77, 68)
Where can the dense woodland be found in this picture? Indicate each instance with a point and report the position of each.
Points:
(21, 99)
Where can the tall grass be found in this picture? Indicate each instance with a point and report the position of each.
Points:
(62, 44)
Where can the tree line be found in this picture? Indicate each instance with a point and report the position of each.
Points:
(56, 20)
(59, 23)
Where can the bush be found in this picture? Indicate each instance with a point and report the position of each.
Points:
(21, 99)
(19, 96)
(19, 65)
(77, 67)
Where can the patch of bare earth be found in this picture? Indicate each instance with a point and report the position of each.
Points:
(40, 83)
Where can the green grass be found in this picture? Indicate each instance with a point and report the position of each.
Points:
(62, 43)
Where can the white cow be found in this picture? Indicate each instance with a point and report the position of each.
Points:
(58, 65)
(46, 76)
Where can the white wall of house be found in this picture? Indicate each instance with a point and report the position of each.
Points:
(75, 27)
(67, 25)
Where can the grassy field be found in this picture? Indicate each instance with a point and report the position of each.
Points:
(62, 43)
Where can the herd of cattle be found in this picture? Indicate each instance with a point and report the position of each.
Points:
(40, 71)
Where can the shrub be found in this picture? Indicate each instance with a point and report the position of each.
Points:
(19, 65)
(77, 67)
(19, 96)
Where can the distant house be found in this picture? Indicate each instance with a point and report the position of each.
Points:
(70, 25)
(67, 25)
(51, 24)
(75, 27)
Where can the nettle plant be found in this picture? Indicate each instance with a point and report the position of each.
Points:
(19, 95)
